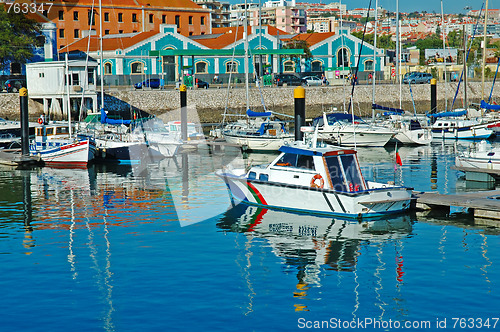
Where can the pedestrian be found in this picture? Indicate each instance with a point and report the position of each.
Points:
(323, 80)
(370, 77)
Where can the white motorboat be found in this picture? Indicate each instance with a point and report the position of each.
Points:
(56, 147)
(411, 132)
(484, 157)
(195, 134)
(316, 178)
(153, 132)
(454, 125)
(258, 132)
(342, 129)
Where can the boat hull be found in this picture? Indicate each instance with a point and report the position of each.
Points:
(414, 137)
(363, 204)
(361, 138)
(467, 132)
(258, 143)
(71, 154)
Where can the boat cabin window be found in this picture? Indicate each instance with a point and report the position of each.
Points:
(344, 173)
(296, 160)
(251, 176)
(263, 177)
(491, 154)
(62, 130)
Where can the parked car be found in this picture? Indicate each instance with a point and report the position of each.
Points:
(153, 83)
(201, 84)
(13, 85)
(417, 78)
(312, 80)
(289, 79)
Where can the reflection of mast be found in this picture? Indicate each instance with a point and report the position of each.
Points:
(484, 268)
(185, 177)
(27, 212)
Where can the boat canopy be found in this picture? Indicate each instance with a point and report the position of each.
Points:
(253, 114)
(105, 119)
(336, 117)
(271, 126)
(290, 149)
(446, 114)
(487, 106)
(390, 110)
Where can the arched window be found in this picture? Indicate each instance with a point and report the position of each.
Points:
(137, 68)
(108, 68)
(316, 66)
(289, 66)
(231, 67)
(201, 67)
(369, 65)
(343, 58)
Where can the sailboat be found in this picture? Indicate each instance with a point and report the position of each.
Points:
(258, 131)
(56, 144)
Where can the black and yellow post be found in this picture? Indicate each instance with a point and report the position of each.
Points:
(25, 126)
(433, 96)
(300, 111)
(183, 90)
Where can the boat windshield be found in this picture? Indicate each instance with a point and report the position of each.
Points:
(344, 173)
(296, 160)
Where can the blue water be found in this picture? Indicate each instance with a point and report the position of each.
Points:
(155, 248)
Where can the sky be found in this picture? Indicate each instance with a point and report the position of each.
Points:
(449, 6)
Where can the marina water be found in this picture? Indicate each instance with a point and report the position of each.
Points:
(158, 247)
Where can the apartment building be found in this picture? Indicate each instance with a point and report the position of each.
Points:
(220, 12)
(287, 18)
(76, 19)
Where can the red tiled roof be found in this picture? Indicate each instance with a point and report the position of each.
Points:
(134, 3)
(108, 44)
(313, 38)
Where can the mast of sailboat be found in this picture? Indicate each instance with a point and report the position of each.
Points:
(101, 65)
(399, 68)
(342, 54)
(484, 49)
(444, 55)
(68, 105)
(397, 41)
(374, 58)
(465, 69)
(245, 38)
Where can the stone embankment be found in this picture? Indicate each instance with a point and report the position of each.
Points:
(210, 103)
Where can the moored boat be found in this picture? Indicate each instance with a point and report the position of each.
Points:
(318, 179)
(454, 125)
(484, 157)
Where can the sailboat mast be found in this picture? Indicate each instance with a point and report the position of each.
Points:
(245, 38)
(465, 68)
(484, 49)
(444, 55)
(101, 65)
(397, 41)
(68, 105)
(374, 58)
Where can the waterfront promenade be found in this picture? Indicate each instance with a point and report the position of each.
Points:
(210, 103)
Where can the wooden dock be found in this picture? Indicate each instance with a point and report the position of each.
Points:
(479, 174)
(483, 204)
(14, 158)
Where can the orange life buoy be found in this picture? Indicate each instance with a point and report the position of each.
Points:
(40, 120)
(321, 181)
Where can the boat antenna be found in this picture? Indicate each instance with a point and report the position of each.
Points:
(315, 137)
(360, 52)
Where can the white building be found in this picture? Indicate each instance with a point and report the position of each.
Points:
(47, 83)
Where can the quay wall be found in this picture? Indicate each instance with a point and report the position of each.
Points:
(210, 103)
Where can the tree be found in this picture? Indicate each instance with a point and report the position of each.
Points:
(19, 36)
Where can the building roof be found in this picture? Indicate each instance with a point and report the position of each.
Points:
(133, 3)
(223, 37)
(313, 38)
(109, 42)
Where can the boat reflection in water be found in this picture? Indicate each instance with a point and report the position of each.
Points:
(312, 244)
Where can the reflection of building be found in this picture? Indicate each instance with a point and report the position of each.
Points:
(311, 243)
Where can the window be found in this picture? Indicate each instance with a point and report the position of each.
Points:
(108, 68)
(61, 33)
(134, 18)
(353, 177)
(106, 17)
(76, 33)
(316, 66)
(289, 66)
(120, 17)
(106, 32)
(151, 17)
(137, 68)
(231, 67)
(75, 16)
(335, 173)
(201, 67)
(61, 15)
(203, 20)
(287, 160)
(41, 75)
(178, 21)
(90, 75)
(60, 47)
(75, 78)
(91, 17)
(368, 65)
(343, 58)
(190, 20)
(120, 31)
(164, 19)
